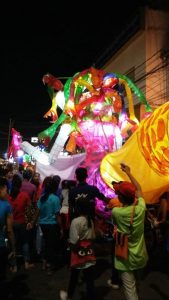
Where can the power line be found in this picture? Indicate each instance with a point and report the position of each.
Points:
(151, 72)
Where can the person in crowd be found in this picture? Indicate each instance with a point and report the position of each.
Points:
(36, 180)
(58, 190)
(65, 195)
(156, 225)
(20, 170)
(163, 217)
(82, 228)
(6, 229)
(66, 186)
(48, 218)
(88, 191)
(27, 186)
(9, 175)
(130, 194)
(36, 231)
(159, 213)
(31, 190)
(20, 201)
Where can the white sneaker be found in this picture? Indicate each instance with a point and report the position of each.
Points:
(113, 285)
(63, 295)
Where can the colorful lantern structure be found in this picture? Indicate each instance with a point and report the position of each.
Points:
(94, 119)
(147, 152)
(15, 144)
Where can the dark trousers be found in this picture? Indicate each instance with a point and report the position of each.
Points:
(51, 235)
(89, 280)
(22, 244)
(115, 273)
(3, 263)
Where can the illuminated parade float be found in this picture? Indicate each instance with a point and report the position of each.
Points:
(97, 128)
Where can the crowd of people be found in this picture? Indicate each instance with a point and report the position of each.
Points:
(53, 216)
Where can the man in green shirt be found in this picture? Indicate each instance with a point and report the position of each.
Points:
(129, 194)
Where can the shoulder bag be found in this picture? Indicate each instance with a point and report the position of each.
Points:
(121, 239)
(82, 253)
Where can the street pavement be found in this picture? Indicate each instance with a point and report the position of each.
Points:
(35, 284)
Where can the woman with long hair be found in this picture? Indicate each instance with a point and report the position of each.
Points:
(20, 201)
(48, 218)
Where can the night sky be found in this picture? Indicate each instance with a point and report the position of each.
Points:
(49, 39)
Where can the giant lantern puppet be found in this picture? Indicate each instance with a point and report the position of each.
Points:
(94, 118)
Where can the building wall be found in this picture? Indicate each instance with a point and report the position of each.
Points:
(143, 54)
(131, 57)
(156, 26)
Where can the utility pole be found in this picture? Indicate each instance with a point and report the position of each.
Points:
(9, 133)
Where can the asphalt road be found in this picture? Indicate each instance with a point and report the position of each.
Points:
(35, 284)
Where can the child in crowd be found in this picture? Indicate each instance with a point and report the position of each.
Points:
(81, 229)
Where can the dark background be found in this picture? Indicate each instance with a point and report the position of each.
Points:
(59, 38)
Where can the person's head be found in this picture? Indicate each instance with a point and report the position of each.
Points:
(30, 168)
(48, 186)
(65, 184)
(3, 187)
(81, 174)
(21, 168)
(68, 184)
(17, 181)
(27, 174)
(36, 179)
(16, 185)
(57, 179)
(125, 191)
(36, 175)
(9, 175)
(56, 182)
